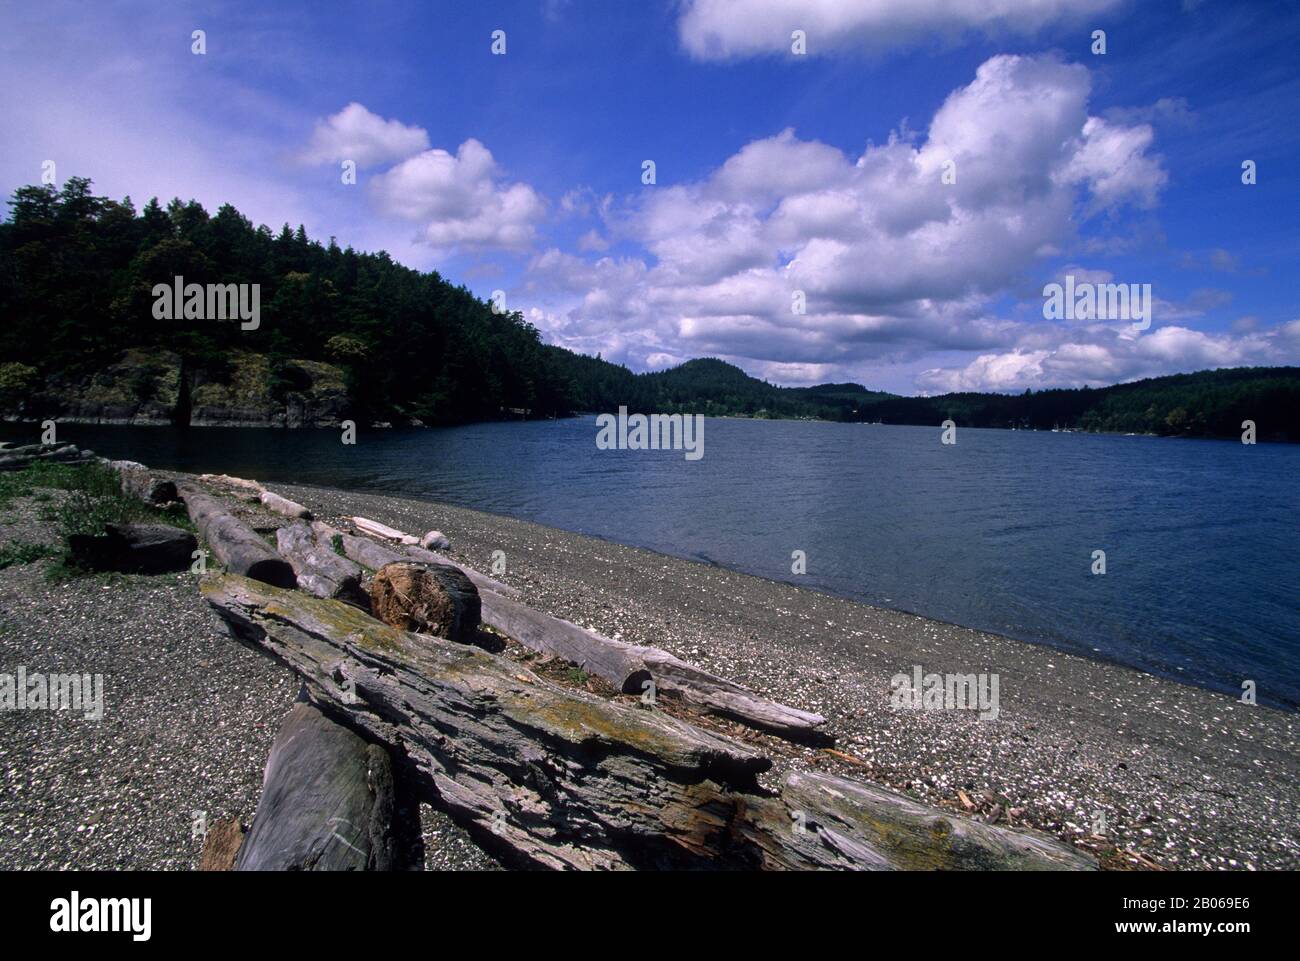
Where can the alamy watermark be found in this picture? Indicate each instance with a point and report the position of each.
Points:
(653, 432)
(945, 692)
(1088, 301)
(181, 301)
(21, 691)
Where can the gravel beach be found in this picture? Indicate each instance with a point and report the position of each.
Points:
(1142, 771)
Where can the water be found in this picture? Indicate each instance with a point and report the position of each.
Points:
(995, 533)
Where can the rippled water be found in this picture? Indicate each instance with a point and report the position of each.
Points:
(996, 532)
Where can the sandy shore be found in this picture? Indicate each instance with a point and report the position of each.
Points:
(1185, 777)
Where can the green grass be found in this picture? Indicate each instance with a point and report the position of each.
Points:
(23, 552)
(94, 497)
(576, 675)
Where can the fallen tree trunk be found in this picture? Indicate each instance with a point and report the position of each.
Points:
(627, 666)
(282, 505)
(630, 667)
(327, 801)
(374, 556)
(233, 543)
(376, 529)
(251, 486)
(561, 779)
(139, 483)
(319, 570)
(433, 599)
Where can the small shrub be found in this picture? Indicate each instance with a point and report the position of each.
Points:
(23, 552)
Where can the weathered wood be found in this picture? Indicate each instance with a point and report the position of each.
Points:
(320, 571)
(17, 458)
(561, 779)
(249, 485)
(376, 529)
(134, 549)
(221, 846)
(233, 543)
(137, 482)
(374, 556)
(327, 801)
(631, 667)
(282, 505)
(626, 666)
(427, 599)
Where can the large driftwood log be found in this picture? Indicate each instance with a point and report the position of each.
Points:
(233, 543)
(376, 529)
(253, 487)
(320, 571)
(374, 556)
(627, 666)
(327, 801)
(561, 779)
(282, 505)
(426, 598)
(631, 667)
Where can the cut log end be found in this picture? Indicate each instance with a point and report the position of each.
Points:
(426, 599)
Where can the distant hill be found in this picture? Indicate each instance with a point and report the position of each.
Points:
(355, 335)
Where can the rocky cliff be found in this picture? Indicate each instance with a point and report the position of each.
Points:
(155, 388)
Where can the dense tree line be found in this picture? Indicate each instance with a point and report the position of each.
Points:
(77, 273)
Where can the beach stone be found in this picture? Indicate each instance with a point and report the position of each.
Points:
(134, 549)
(435, 541)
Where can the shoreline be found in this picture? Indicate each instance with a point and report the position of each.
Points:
(1192, 778)
(1064, 649)
(391, 425)
(1180, 776)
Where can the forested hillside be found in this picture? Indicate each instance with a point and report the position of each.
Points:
(344, 333)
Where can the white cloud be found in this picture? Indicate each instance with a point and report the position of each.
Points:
(460, 201)
(722, 29)
(356, 134)
(890, 260)
(1098, 356)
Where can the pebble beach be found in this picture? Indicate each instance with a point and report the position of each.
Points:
(1142, 771)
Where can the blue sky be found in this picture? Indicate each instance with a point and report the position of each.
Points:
(776, 173)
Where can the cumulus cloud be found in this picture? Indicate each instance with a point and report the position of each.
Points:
(1098, 357)
(356, 134)
(460, 201)
(723, 29)
(894, 251)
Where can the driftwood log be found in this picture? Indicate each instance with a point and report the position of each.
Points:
(17, 458)
(233, 543)
(627, 666)
(319, 570)
(561, 779)
(374, 556)
(251, 486)
(433, 599)
(327, 801)
(282, 505)
(376, 529)
(137, 482)
(631, 667)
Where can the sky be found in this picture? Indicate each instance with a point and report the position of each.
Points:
(875, 191)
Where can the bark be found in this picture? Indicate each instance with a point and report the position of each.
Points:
(426, 598)
(327, 801)
(282, 505)
(561, 779)
(320, 571)
(233, 543)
